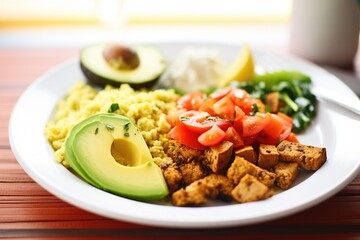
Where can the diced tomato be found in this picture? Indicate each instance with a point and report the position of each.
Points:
(285, 117)
(260, 104)
(249, 140)
(264, 138)
(274, 126)
(239, 94)
(252, 125)
(212, 137)
(200, 122)
(239, 115)
(241, 99)
(233, 136)
(287, 126)
(219, 94)
(285, 132)
(192, 101)
(208, 106)
(292, 138)
(225, 108)
(173, 117)
(186, 137)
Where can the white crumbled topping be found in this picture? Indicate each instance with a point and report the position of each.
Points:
(194, 69)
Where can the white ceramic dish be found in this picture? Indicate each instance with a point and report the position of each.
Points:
(333, 128)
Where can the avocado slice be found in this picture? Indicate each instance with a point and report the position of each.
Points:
(98, 71)
(69, 153)
(110, 152)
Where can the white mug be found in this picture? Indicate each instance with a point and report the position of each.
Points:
(325, 31)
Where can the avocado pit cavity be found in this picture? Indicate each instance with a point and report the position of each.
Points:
(125, 152)
(121, 57)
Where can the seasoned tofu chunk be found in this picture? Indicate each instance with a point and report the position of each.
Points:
(218, 157)
(183, 154)
(173, 177)
(286, 173)
(188, 161)
(198, 192)
(191, 172)
(268, 156)
(240, 167)
(248, 153)
(308, 157)
(250, 189)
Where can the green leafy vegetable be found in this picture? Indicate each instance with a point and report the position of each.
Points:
(294, 90)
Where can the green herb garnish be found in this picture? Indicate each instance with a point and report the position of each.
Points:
(254, 109)
(127, 126)
(113, 107)
(184, 118)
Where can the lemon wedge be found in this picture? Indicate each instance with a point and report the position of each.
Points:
(242, 69)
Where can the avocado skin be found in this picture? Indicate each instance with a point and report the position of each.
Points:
(98, 71)
(69, 153)
(102, 82)
(87, 150)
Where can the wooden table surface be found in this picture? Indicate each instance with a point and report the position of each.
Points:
(29, 211)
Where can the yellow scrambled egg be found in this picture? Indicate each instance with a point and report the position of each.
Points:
(146, 109)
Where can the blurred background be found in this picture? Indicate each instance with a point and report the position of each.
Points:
(266, 24)
(56, 23)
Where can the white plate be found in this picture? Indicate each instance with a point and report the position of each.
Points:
(333, 128)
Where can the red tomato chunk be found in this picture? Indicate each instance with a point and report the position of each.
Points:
(226, 114)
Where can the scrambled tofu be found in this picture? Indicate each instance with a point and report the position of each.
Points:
(308, 157)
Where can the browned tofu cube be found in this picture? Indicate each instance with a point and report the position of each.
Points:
(268, 156)
(250, 189)
(248, 153)
(240, 167)
(197, 193)
(192, 195)
(286, 173)
(218, 157)
(183, 154)
(308, 157)
(173, 177)
(191, 172)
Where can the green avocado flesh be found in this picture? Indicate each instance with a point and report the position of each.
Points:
(109, 152)
(98, 71)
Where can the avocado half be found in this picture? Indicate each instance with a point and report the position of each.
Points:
(109, 152)
(99, 72)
